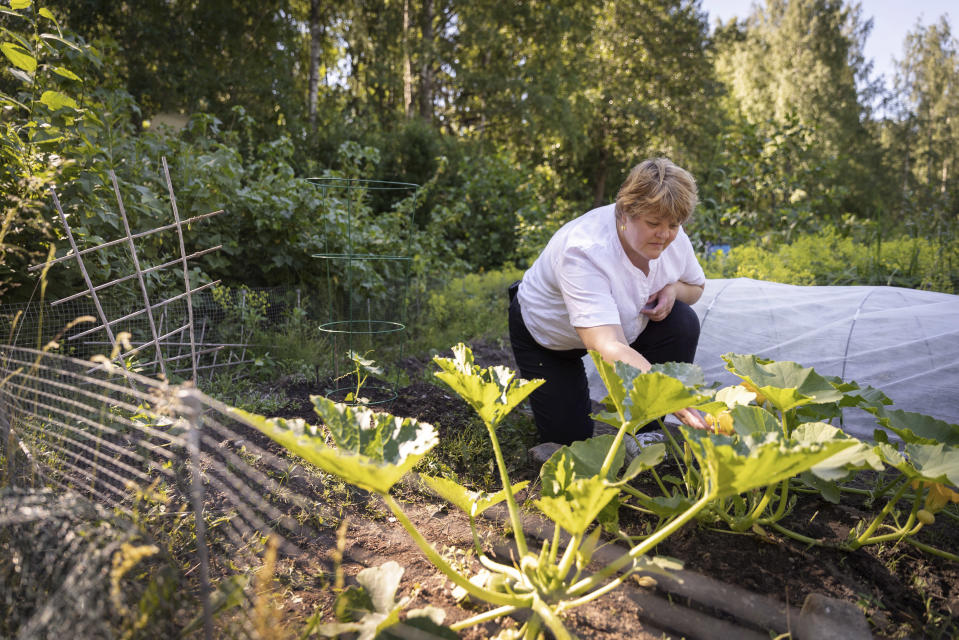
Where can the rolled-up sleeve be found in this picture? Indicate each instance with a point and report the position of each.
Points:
(692, 271)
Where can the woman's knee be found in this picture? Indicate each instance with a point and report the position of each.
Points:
(686, 321)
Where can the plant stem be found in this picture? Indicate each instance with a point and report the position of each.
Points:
(506, 570)
(861, 540)
(611, 454)
(781, 508)
(934, 551)
(477, 544)
(483, 594)
(741, 524)
(569, 556)
(550, 619)
(789, 533)
(515, 521)
(642, 548)
(531, 628)
(593, 595)
(554, 547)
(856, 491)
(898, 534)
(492, 614)
(659, 481)
(881, 491)
(636, 493)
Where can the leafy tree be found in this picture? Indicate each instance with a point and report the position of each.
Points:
(928, 82)
(758, 185)
(588, 88)
(41, 79)
(189, 56)
(801, 59)
(651, 89)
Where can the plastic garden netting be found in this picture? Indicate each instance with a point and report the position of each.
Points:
(904, 342)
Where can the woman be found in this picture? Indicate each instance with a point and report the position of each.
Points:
(620, 280)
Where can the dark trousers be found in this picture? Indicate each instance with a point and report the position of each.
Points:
(561, 406)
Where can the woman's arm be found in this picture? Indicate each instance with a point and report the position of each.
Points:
(610, 341)
(688, 293)
(662, 301)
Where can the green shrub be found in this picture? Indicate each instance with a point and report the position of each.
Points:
(465, 308)
(828, 258)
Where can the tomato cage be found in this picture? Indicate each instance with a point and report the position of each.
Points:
(368, 231)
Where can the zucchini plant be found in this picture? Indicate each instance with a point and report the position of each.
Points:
(783, 401)
(582, 484)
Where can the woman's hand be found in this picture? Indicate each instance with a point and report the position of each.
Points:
(660, 304)
(692, 418)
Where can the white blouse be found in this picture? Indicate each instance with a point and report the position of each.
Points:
(583, 278)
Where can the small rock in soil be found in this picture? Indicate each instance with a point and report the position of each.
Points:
(539, 454)
(825, 618)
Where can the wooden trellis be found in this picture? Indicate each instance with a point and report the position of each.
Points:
(180, 336)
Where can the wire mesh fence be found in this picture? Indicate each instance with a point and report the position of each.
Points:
(225, 320)
(134, 508)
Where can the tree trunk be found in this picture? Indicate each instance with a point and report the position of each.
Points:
(602, 169)
(426, 60)
(407, 70)
(316, 34)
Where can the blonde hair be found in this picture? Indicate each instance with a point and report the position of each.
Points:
(659, 187)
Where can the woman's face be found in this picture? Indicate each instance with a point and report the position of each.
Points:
(646, 236)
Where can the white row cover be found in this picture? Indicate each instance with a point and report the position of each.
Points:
(904, 342)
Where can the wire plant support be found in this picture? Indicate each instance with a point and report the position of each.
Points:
(359, 320)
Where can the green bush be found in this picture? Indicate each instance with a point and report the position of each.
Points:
(465, 308)
(828, 258)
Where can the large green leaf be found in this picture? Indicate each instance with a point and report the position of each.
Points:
(66, 73)
(655, 394)
(689, 374)
(617, 378)
(643, 397)
(582, 459)
(856, 396)
(933, 462)
(786, 385)
(381, 583)
(369, 609)
(916, 427)
(470, 502)
(648, 457)
(573, 492)
(667, 507)
(840, 466)
(417, 627)
(751, 420)
(19, 56)
(579, 504)
(733, 467)
(492, 392)
(735, 396)
(373, 451)
(829, 490)
(56, 100)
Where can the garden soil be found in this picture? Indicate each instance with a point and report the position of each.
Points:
(903, 592)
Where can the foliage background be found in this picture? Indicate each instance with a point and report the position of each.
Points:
(514, 119)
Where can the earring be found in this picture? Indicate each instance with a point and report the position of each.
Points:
(622, 227)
